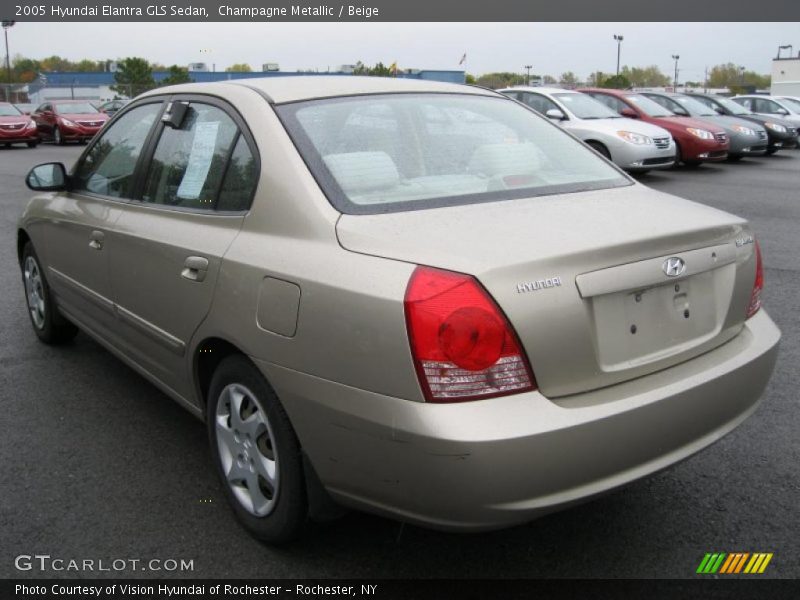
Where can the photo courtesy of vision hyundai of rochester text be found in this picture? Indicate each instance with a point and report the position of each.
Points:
(422, 300)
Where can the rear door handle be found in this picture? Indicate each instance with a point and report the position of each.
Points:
(195, 268)
(96, 239)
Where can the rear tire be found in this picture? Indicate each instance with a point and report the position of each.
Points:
(771, 151)
(734, 158)
(256, 452)
(49, 325)
(33, 144)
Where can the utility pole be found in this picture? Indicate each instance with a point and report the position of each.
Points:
(6, 26)
(619, 39)
(675, 57)
(528, 77)
(705, 81)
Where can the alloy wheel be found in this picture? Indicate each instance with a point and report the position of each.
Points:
(246, 447)
(34, 291)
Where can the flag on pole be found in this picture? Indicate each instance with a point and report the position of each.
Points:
(463, 59)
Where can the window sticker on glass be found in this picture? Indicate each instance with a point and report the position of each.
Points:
(200, 157)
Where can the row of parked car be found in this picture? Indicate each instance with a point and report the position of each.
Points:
(59, 121)
(640, 131)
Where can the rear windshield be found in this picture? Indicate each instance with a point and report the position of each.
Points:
(586, 107)
(399, 152)
(650, 107)
(75, 108)
(7, 110)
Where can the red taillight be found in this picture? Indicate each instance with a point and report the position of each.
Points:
(758, 285)
(463, 346)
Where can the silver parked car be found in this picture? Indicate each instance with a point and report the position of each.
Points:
(633, 145)
(412, 298)
(746, 138)
(784, 107)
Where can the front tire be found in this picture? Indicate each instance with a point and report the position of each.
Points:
(256, 452)
(49, 325)
(33, 144)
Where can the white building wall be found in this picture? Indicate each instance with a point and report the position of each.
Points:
(786, 77)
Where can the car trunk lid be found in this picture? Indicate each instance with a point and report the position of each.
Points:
(581, 276)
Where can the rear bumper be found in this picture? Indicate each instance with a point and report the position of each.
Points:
(498, 462)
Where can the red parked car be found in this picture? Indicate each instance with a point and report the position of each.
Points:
(68, 120)
(697, 141)
(15, 127)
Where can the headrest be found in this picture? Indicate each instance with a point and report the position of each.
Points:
(505, 159)
(363, 171)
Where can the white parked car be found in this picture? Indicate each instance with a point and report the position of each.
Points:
(633, 145)
(784, 107)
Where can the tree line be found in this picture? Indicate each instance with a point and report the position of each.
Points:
(726, 75)
(135, 75)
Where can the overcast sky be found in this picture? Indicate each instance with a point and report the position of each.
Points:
(551, 48)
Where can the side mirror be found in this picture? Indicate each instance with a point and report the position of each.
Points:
(630, 113)
(782, 111)
(49, 177)
(679, 110)
(555, 114)
(719, 110)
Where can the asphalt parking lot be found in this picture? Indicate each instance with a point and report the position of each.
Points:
(98, 464)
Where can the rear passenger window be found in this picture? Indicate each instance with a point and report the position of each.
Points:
(189, 163)
(240, 179)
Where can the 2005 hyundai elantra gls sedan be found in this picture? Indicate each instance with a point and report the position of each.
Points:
(412, 298)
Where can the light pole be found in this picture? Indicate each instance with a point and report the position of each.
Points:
(208, 51)
(675, 57)
(741, 76)
(619, 39)
(6, 26)
(528, 77)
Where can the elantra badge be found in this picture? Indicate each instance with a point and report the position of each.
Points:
(673, 266)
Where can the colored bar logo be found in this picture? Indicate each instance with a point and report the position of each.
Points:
(734, 563)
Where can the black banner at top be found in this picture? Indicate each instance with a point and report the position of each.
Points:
(401, 10)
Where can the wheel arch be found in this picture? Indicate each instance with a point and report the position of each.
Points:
(206, 357)
(603, 147)
(22, 239)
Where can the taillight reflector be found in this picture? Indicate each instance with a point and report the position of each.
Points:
(758, 285)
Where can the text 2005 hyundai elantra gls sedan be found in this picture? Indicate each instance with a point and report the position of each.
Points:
(417, 299)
